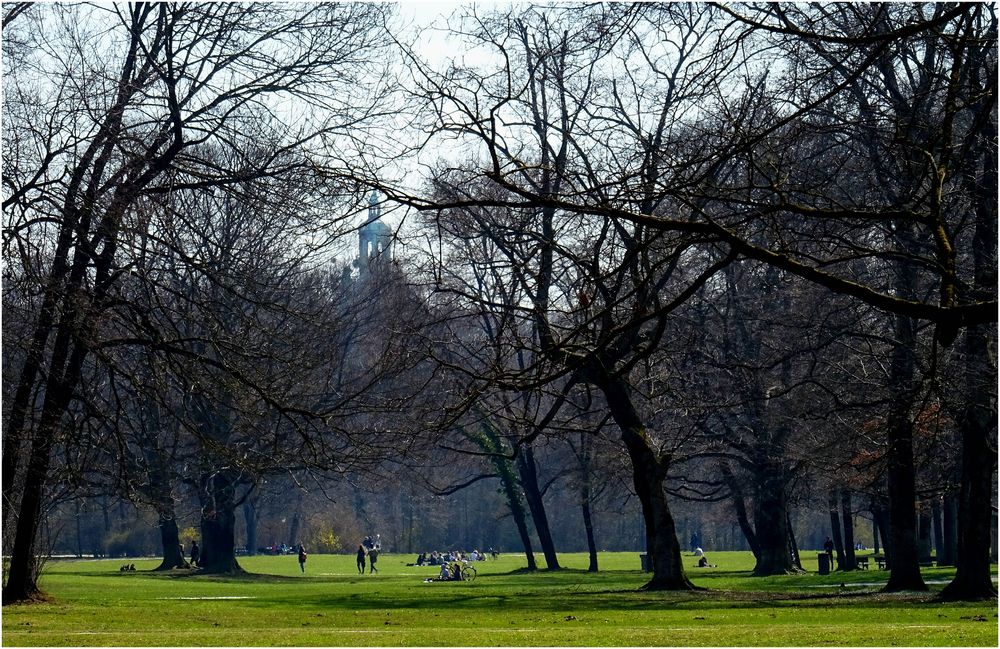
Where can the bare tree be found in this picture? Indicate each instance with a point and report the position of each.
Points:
(156, 85)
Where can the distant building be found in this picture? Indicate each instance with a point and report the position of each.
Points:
(374, 239)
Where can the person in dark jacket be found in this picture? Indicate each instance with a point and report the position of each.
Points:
(361, 559)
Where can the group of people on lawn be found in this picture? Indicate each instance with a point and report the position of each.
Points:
(452, 572)
(439, 558)
(367, 556)
(369, 549)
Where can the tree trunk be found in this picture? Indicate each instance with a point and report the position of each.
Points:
(936, 527)
(649, 472)
(490, 441)
(161, 493)
(528, 472)
(293, 528)
(793, 546)
(924, 534)
(972, 578)
(949, 531)
(79, 530)
(588, 522)
(847, 518)
(979, 417)
(218, 524)
(740, 508)
(588, 525)
(905, 567)
(171, 545)
(875, 534)
(520, 517)
(770, 513)
(250, 518)
(22, 577)
(838, 540)
(884, 526)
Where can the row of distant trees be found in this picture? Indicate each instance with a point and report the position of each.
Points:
(740, 254)
(412, 520)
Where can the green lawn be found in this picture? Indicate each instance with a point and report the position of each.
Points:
(92, 603)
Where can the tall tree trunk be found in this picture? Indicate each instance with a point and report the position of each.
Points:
(489, 439)
(171, 545)
(937, 528)
(293, 528)
(740, 508)
(905, 567)
(838, 540)
(972, 578)
(216, 484)
(649, 472)
(22, 577)
(949, 531)
(79, 530)
(520, 518)
(847, 518)
(161, 493)
(588, 526)
(884, 526)
(770, 513)
(924, 534)
(528, 472)
(793, 546)
(251, 519)
(979, 416)
(218, 523)
(585, 500)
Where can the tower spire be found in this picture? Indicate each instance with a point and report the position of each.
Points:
(374, 208)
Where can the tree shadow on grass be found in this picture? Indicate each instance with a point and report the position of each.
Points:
(467, 599)
(186, 573)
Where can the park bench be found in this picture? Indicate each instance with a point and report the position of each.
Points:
(881, 562)
(862, 563)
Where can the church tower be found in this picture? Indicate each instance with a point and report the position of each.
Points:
(374, 239)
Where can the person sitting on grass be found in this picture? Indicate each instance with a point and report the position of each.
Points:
(703, 562)
(443, 575)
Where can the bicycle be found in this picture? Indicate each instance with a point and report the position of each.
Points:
(469, 573)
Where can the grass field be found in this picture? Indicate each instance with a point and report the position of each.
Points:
(92, 603)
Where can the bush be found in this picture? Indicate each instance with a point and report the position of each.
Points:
(324, 540)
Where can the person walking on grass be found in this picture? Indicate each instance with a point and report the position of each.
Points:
(828, 549)
(302, 557)
(361, 559)
(372, 558)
